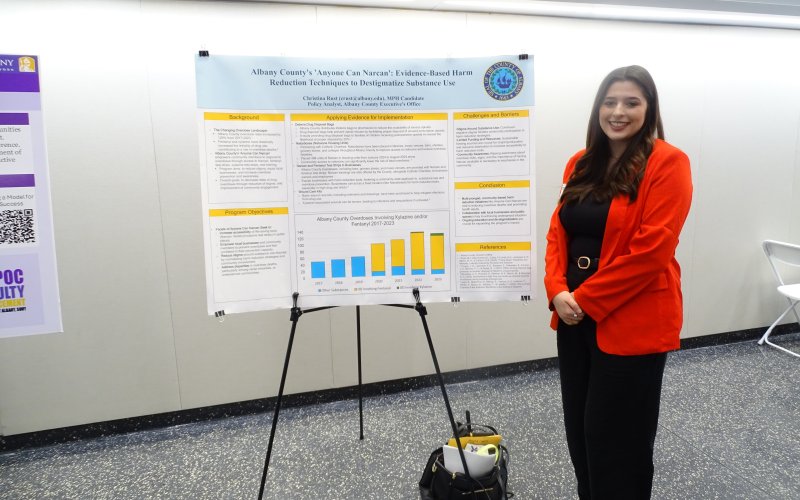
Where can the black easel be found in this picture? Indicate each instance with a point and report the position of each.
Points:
(296, 312)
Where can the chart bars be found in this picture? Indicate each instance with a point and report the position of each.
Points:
(358, 266)
(417, 253)
(337, 268)
(378, 260)
(437, 253)
(398, 257)
(403, 259)
(317, 270)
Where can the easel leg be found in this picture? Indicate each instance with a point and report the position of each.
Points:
(295, 317)
(420, 308)
(296, 313)
(360, 397)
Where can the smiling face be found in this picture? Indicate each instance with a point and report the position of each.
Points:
(622, 114)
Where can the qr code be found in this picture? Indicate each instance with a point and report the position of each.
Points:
(16, 226)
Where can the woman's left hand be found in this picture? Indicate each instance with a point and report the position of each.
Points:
(567, 308)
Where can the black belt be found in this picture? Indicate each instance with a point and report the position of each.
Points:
(584, 262)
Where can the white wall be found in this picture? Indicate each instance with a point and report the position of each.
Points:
(119, 108)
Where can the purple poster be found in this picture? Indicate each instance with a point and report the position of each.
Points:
(29, 299)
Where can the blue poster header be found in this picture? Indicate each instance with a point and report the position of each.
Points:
(282, 83)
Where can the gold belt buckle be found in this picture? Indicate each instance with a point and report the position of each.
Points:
(583, 259)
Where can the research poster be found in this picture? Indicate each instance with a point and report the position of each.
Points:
(29, 300)
(354, 181)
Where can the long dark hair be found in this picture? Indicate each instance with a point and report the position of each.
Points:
(594, 176)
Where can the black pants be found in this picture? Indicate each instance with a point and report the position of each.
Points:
(611, 406)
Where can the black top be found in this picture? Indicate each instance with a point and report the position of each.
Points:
(585, 224)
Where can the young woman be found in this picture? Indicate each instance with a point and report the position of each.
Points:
(613, 285)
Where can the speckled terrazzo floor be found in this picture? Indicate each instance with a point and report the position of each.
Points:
(730, 429)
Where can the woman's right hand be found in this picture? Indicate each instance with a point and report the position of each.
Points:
(567, 309)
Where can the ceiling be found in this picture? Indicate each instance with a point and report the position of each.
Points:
(781, 14)
(774, 7)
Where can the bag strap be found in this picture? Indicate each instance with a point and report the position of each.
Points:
(503, 480)
(470, 429)
(465, 429)
(427, 474)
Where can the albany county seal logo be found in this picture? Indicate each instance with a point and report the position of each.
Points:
(503, 81)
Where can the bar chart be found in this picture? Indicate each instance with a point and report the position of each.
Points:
(338, 268)
(380, 251)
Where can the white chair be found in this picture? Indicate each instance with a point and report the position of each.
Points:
(789, 254)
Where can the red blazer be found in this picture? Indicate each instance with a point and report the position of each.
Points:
(635, 295)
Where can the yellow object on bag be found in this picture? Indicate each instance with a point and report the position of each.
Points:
(490, 449)
(479, 440)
